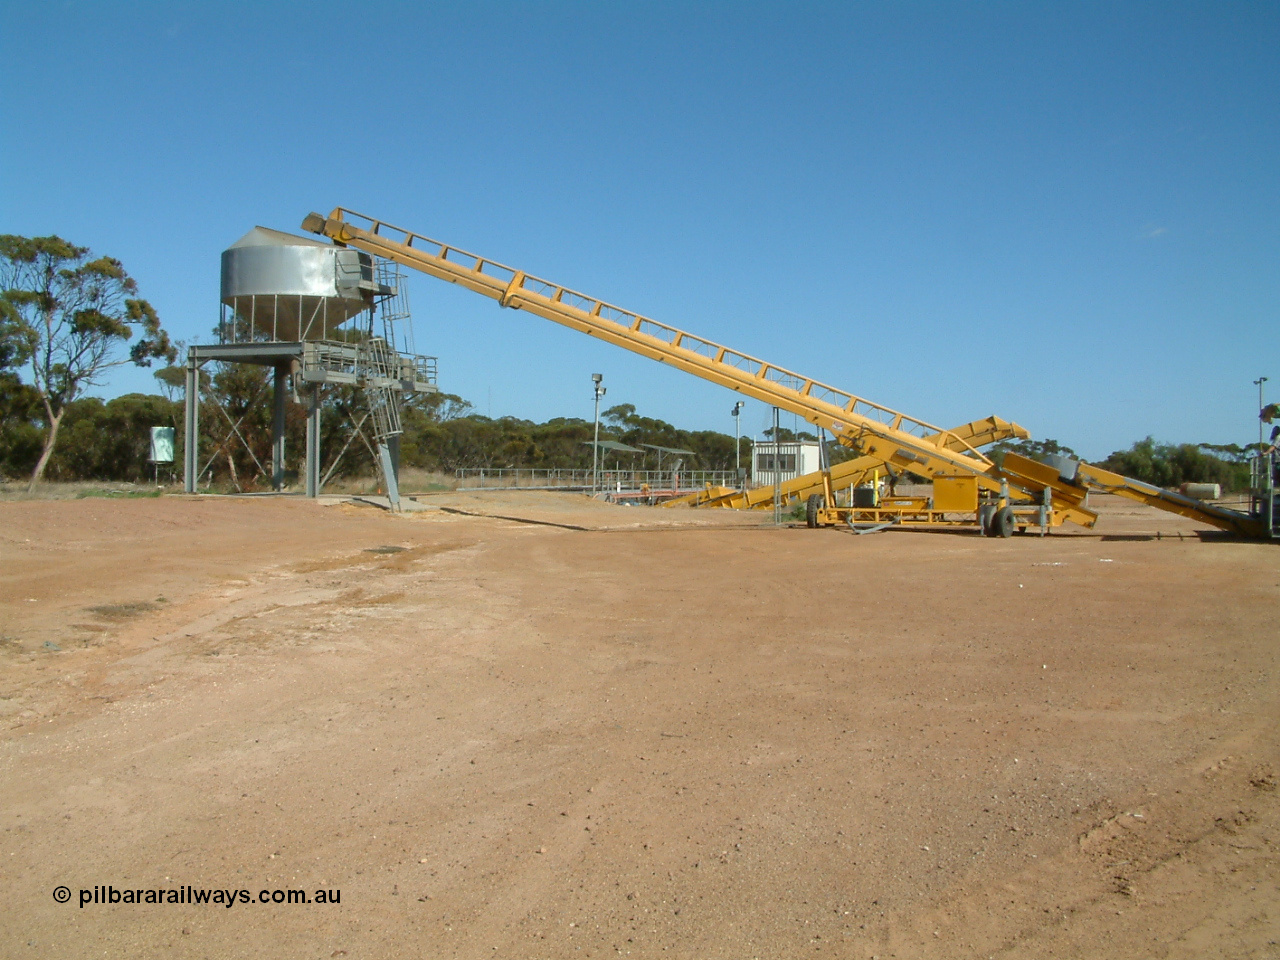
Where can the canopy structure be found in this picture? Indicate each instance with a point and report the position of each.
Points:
(669, 450)
(612, 446)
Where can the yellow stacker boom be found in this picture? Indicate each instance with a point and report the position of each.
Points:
(1021, 493)
(840, 476)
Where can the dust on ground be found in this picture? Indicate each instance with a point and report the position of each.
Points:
(529, 725)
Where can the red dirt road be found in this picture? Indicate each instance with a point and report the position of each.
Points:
(677, 734)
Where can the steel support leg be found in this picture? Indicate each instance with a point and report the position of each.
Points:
(393, 445)
(277, 429)
(389, 474)
(191, 443)
(312, 466)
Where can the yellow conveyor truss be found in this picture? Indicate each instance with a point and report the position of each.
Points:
(879, 434)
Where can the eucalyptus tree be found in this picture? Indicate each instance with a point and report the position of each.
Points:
(67, 315)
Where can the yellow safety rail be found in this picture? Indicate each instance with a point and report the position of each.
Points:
(901, 441)
(883, 436)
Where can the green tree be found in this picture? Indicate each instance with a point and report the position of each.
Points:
(1168, 465)
(786, 435)
(713, 450)
(67, 315)
(111, 440)
(1031, 449)
(14, 344)
(21, 426)
(1229, 452)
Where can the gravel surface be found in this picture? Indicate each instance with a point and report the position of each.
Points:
(528, 725)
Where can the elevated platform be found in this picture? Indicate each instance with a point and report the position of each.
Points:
(312, 364)
(321, 361)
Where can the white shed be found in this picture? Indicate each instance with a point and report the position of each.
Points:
(775, 463)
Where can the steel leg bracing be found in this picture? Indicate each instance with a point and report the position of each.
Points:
(279, 396)
(312, 364)
(191, 443)
(312, 466)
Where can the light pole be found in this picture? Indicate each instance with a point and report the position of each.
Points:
(777, 471)
(595, 446)
(1258, 383)
(737, 441)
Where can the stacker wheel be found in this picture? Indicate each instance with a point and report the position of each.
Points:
(985, 512)
(816, 502)
(1002, 523)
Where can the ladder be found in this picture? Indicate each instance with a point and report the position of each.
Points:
(378, 371)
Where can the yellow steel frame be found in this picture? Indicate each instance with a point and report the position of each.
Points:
(955, 494)
(977, 433)
(876, 431)
(884, 437)
(1231, 520)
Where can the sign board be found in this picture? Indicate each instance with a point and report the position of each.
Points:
(161, 445)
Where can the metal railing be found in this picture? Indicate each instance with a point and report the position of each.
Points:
(422, 369)
(1263, 491)
(610, 480)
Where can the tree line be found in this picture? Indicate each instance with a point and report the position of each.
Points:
(1166, 465)
(66, 317)
(109, 440)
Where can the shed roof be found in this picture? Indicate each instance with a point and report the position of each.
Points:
(614, 446)
(654, 446)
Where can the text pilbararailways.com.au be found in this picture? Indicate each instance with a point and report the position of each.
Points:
(109, 895)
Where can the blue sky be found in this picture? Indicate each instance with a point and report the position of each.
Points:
(1064, 214)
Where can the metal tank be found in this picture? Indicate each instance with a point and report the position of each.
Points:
(276, 286)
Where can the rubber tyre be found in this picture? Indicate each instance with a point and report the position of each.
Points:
(985, 512)
(816, 502)
(1002, 523)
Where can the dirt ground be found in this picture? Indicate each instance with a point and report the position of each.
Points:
(631, 732)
